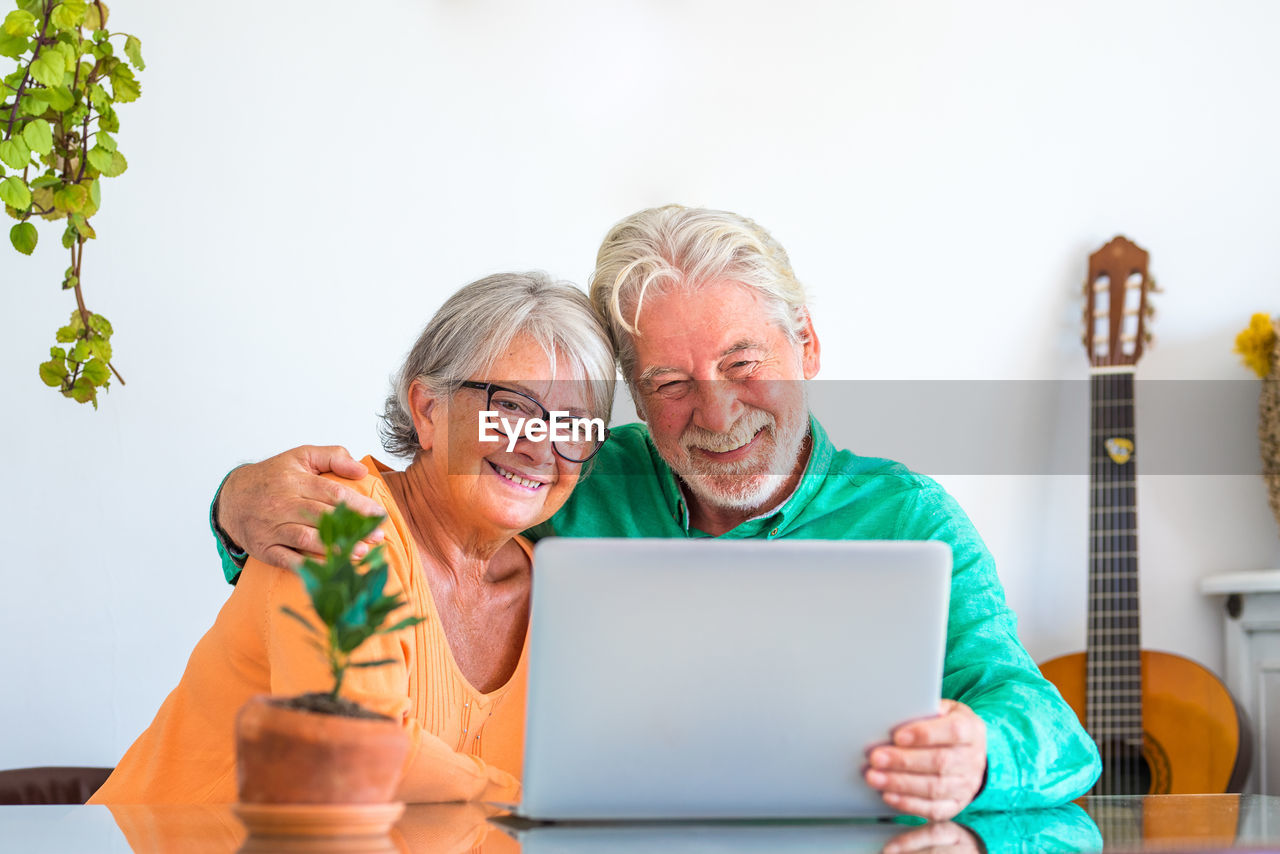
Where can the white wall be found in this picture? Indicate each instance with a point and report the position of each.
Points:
(309, 180)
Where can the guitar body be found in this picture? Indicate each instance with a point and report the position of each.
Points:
(1192, 729)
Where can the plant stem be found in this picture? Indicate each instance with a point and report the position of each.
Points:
(17, 98)
(76, 258)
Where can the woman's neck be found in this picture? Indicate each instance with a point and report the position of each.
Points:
(453, 542)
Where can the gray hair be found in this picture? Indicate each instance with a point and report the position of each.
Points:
(476, 325)
(674, 248)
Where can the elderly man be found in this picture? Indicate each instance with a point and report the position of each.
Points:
(715, 341)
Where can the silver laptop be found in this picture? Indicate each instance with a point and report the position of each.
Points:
(713, 679)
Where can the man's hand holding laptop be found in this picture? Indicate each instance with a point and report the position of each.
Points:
(934, 767)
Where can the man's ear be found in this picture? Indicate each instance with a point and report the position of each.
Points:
(423, 410)
(810, 348)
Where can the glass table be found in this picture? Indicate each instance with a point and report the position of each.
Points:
(1156, 822)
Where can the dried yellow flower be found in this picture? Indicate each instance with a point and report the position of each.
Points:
(1255, 343)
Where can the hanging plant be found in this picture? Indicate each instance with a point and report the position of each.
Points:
(57, 120)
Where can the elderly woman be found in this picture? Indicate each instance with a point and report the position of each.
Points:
(514, 344)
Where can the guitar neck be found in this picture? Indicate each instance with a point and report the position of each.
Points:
(1113, 662)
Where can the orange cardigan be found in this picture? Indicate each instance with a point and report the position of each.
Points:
(464, 745)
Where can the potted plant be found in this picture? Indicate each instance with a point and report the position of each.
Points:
(321, 748)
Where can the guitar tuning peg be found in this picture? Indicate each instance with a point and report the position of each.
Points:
(1148, 338)
(1152, 287)
(1150, 310)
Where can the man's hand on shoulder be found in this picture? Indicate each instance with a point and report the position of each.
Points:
(270, 508)
(933, 767)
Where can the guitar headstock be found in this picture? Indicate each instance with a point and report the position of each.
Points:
(1116, 306)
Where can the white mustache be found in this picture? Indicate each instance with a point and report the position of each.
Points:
(742, 432)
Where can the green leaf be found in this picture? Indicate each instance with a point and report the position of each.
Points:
(104, 141)
(65, 334)
(60, 97)
(19, 23)
(33, 104)
(48, 68)
(13, 46)
(99, 97)
(23, 236)
(96, 372)
(101, 159)
(69, 239)
(80, 352)
(81, 225)
(381, 662)
(99, 324)
(133, 50)
(124, 85)
(14, 152)
(71, 198)
(39, 136)
(95, 194)
(69, 14)
(101, 348)
(96, 18)
(289, 612)
(403, 624)
(84, 392)
(53, 372)
(15, 193)
(109, 121)
(116, 167)
(69, 281)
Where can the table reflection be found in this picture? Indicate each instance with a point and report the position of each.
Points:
(1163, 822)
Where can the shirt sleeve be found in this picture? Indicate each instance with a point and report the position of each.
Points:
(1038, 755)
(231, 555)
(433, 771)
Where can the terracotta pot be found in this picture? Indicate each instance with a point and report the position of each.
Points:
(288, 756)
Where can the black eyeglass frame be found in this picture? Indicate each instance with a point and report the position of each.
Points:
(490, 388)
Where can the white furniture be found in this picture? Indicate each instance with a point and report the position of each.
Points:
(1252, 621)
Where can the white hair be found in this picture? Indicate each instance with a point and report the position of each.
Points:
(476, 325)
(674, 248)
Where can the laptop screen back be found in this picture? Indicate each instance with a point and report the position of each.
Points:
(725, 679)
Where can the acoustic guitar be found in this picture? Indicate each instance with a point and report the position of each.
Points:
(1163, 723)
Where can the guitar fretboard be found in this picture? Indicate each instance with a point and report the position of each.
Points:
(1114, 663)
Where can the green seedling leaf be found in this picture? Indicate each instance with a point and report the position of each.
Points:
(104, 141)
(407, 622)
(289, 612)
(15, 193)
(379, 663)
(133, 50)
(14, 152)
(38, 136)
(23, 236)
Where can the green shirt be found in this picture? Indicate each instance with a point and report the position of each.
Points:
(1037, 753)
